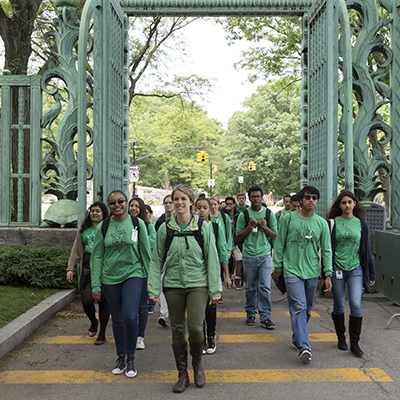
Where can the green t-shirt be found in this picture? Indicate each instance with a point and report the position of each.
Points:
(151, 230)
(223, 221)
(121, 255)
(242, 209)
(347, 243)
(283, 212)
(297, 245)
(256, 243)
(88, 238)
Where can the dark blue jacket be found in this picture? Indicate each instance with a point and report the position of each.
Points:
(366, 260)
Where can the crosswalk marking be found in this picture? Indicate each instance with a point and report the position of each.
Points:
(212, 376)
(258, 338)
(278, 314)
(220, 314)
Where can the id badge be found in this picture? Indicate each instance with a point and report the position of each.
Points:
(255, 229)
(339, 274)
(134, 235)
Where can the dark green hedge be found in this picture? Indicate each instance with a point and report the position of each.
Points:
(43, 267)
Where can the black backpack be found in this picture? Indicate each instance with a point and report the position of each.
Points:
(171, 233)
(267, 217)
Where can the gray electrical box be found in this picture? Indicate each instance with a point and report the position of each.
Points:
(375, 217)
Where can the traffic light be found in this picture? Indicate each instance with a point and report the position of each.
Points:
(252, 166)
(214, 168)
(202, 157)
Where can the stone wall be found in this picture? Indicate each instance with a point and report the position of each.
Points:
(38, 237)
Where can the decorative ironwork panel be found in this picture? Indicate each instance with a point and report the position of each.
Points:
(20, 149)
(322, 101)
(395, 118)
(110, 107)
(216, 7)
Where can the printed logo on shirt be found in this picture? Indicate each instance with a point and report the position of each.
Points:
(90, 240)
(345, 236)
(119, 237)
(304, 236)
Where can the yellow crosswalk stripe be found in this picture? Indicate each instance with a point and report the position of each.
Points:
(278, 314)
(259, 338)
(212, 376)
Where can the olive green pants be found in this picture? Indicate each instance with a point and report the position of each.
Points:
(193, 302)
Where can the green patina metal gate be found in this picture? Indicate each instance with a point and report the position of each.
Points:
(322, 46)
(322, 81)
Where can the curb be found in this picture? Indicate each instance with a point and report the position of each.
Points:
(16, 331)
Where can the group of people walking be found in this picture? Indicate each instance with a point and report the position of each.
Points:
(182, 263)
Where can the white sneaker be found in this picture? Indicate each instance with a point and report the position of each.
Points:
(140, 343)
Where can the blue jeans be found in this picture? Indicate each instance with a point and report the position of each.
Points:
(257, 276)
(123, 300)
(143, 309)
(354, 279)
(300, 294)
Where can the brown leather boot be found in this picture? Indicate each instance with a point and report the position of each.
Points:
(180, 353)
(196, 350)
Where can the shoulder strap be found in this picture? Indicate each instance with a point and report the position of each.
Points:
(215, 227)
(104, 227)
(332, 225)
(267, 214)
(246, 216)
(224, 217)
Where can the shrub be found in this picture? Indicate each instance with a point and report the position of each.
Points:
(43, 267)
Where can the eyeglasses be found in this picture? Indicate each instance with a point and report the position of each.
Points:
(308, 197)
(229, 204)
(113, 203)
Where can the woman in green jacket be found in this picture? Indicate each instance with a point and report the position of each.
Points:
(186, 249)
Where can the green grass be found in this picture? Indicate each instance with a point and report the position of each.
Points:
(14, 301)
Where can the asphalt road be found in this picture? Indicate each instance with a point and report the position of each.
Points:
(60, 362)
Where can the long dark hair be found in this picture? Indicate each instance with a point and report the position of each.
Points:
(335, 211)
(142, 207)
(87, 222)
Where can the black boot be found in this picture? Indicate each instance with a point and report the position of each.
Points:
(338, 321)
(355, 330)
(196, 350)
(180, 353)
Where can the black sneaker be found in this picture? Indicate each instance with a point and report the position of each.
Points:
(268, 324)
(151, 310)
(130, 371)
(211, 345)
(120, 365)
(250, 321)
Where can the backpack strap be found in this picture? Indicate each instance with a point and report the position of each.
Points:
(215, 227)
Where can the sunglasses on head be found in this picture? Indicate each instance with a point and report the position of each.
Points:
(113, 203)
(308, 197)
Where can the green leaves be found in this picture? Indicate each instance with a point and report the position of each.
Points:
(268, 133)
